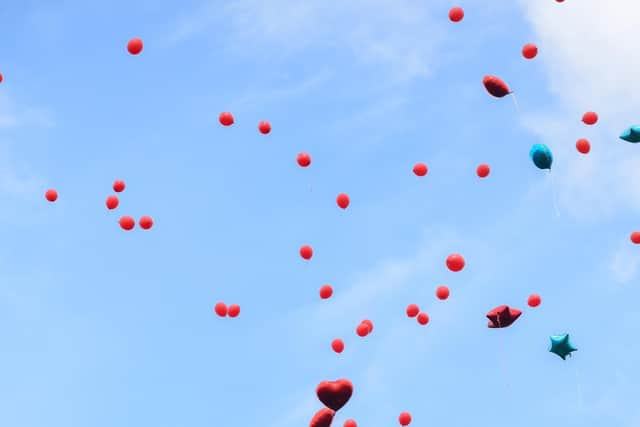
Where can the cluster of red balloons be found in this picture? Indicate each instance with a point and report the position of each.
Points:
(126, 222)
(222, 310)
(226, 119)
(414, 311)
(364, 328)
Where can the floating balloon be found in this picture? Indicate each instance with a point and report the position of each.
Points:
(541, 156)
(304, 160)
(337, 345)
(322, 418)
(306, 252)
(631, 134)
(221, 309)
(134, 46)
(495, 86)
(483, 170)
(334, 394)
(404, 419)
(226, 118)
(118, 186)
(127, 223)
(635, 237)
(1, 78)
(442, 292)
(423, 318)
(233, 310)
(420, 169)
(146, 222)
(455, 262)
(264, 127)
(362, 330)
(583, 146)
(342, 200)
(534, 300)
(503, 316)
(369, 324)
(112, 202)
(456, 14)
(51, 195)
(412, 310)
(350, 423)
(561, 346)
(590, 118)
(529, 51)
(326, 291)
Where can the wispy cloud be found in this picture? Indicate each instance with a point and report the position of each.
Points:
(13, 115)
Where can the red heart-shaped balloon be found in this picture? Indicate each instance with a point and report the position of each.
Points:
(335, 394)
(322, 418)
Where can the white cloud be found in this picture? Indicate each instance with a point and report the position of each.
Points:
(12, 115)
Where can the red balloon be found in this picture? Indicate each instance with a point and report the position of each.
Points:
(221, 309)
(326, 291)
(423, 318)
(146, 222)
(635, 237)
(334, 394)
(404, 419)
(350, 423)
(583, 146)
(337, 345)
(112, 202)
(51, 195)
(322, 418)
(456, 14)
(483, 170)
(529, 51)
(534, 300)
(369, 323)
(442, 292)
(127, 223)
(233, 310)
(420, 169)
(455, 262)
(342, 200)
(502, 316)
(1, 78)
(362, 330)
(118, 186)
(306, 252)
(412, 310)
(134, 46)
(226, 118)
(304, 160)
(264, 127)
(590, 118)
(495, 86)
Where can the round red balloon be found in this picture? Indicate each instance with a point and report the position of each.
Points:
(304, 160)
(362, 330)
(342, 200)
(337, 345)
(455, 262)
(306, 252)
(226, 119)
(112, 202)
(583, 146)
(635, 237)
(442, 292)
(326, 291)
(423, 318)
(590, 118)
(350, 423)
(456, 14)
(127, 223)
(146, 222)
(134, 46)
(118, 186)
(51, 195)
(529, 51)
(369, 323)
(404, 419)
(264, 127)
(221, 309)
(420, 169)
(233, 310)
(483, 170)
(534, 300)
(412, 310)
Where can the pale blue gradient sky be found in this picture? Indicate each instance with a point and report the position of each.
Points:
(104, 328)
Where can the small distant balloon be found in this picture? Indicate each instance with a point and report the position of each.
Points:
(483, 170)
(423, 318)
(583, 146)
(534, 300)
(221, 309)
(456, 14)
(342, 200)
(326, 291)
(226, 118)
(362, 330)
(541, 156)
(530, 51)
(304, 160)
(112, 202)
(455, 262)
(233, 310)
(51, 195)
(146, 222)
(350, 423)
(635, 237)
(590, 118)
(369, 323)
(118, 186)
(420, 169)
(412, 310)
(404, 419)
(1, 78)
(306, 252)
(337, 345)
(134, 46)
(264, 127)
(127, 223)
(631, 134)
(442, 292)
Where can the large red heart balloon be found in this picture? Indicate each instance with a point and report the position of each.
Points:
(335, 394)
(322, 418)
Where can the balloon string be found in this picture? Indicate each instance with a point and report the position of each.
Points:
(579, 388)
(554, 196)
(515, 101)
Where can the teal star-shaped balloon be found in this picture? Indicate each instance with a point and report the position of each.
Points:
(631, 134)
(561, 346)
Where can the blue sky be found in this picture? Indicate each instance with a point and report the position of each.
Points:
(100, 327)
